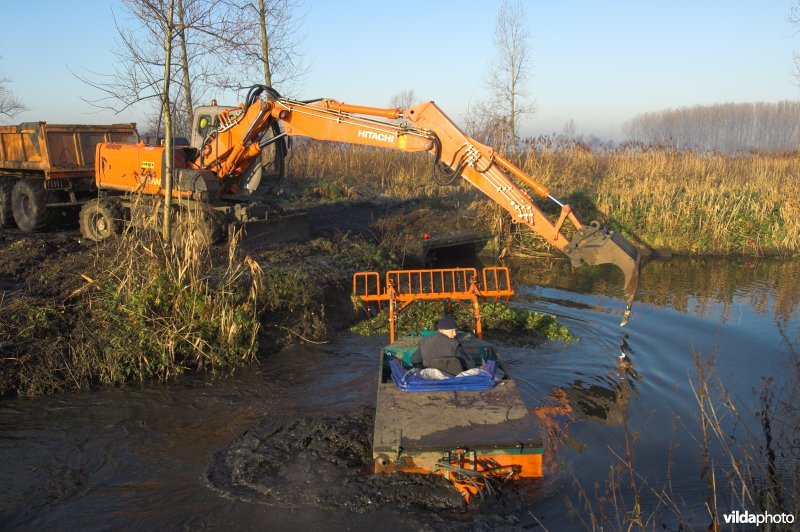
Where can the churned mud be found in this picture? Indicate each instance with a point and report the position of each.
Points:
(326, 462)
(47, 265)
(323, 462)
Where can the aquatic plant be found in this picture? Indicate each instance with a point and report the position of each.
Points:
(510, 324)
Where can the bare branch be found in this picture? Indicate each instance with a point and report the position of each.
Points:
(499, 117)
(217, 43)
(10, 105)
(403, 99)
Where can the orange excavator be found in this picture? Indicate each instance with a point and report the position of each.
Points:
(223, 171)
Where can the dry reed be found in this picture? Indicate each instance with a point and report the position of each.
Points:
(692, 203)
(160, 310)
(748, 461)
(146, 311)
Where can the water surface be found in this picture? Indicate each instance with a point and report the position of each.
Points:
(139, 457)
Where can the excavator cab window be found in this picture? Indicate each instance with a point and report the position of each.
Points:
(203, 124)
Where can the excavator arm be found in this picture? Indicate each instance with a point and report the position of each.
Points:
(422, 128)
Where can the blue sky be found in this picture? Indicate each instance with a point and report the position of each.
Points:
(598, 63)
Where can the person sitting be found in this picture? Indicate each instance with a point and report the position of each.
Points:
(442, 350)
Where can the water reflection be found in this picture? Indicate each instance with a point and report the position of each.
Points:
(692, 286)
(606, 404)
(599, 398)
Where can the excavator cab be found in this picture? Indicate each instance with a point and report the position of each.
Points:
(262, 179)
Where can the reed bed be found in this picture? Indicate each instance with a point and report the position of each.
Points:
(160, 310)
(146, 311)
(692, 203)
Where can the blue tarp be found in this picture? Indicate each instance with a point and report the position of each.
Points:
(411, 381)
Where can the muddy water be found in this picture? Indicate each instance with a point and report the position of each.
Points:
(222, 453)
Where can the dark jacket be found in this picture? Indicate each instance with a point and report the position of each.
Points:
(439, 346)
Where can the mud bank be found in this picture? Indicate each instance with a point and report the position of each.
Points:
(48, 283)
(299, 461)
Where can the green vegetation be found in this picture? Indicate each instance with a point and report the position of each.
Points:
(34, 343)
(158, 313)
(510, 324)
(146, 312)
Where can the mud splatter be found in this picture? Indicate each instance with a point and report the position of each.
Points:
(324, 462)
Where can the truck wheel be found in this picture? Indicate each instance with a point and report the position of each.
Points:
(100, 219)
(206, 229)
(6, 216)
(29, 204)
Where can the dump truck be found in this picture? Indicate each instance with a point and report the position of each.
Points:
(45, 167)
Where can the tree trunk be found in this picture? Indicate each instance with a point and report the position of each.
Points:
(262, 11)
(187, 84)
(169, 159)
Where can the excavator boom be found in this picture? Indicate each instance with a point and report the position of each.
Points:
(421, 128)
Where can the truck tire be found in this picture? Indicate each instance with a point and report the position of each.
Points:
(101, 219)
(206, 229)
(6, 216)
(29, 204)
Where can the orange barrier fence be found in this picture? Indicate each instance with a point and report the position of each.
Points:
(407, 286)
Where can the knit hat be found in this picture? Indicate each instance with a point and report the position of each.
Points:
(446, 323)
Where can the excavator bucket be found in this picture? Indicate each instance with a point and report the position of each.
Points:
(595, 245)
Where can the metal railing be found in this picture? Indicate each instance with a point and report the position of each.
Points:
(406, 286)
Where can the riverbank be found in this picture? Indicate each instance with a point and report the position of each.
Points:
(147, 453)
(132, 310)
(80, 316)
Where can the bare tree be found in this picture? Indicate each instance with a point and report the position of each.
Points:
(404, 99)
(484, 124)
(184, 48)
(137, 79)
(261, 41)
(169, 149)
(144, 73)
(507, 77)
(10, 105)
(794, 19)
(139, 54)
(509, 74)
(570, 129)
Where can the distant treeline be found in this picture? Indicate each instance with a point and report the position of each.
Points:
(726, 127)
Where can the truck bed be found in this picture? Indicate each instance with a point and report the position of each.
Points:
(57, 151)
